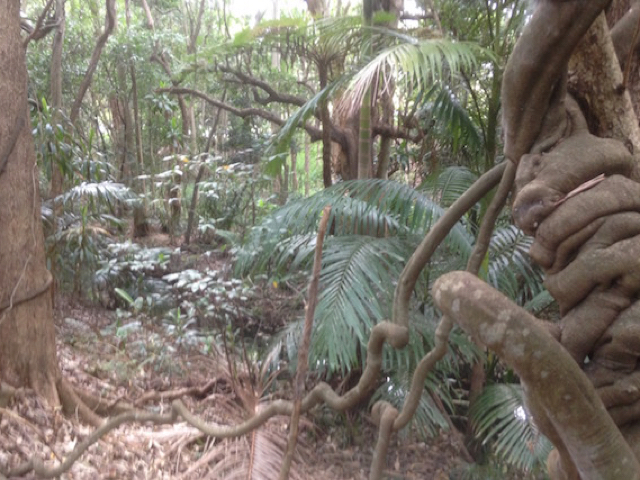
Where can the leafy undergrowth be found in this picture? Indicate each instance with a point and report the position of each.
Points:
(140, 362)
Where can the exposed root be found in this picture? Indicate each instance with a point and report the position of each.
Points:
(6, 394)
(198, 392)
(73, 405)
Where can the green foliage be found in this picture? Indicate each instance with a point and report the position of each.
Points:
(441, 107)
(500, 419)
(209, 299)
(510, 268)
(131, 272)
(82, 227)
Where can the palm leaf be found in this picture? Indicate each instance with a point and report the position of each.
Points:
(499, 417)
(355, 294)
(372, 207)
(448, 185)
(510, 269)
(419, 63)
(282, 140)
(105, 193)
(442, 105)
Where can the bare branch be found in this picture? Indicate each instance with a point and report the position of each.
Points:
(272, 94)
(40, 31)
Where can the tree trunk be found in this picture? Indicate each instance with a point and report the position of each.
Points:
(576, 192)
(325, 118)
(307, 155)
(126, 135)
(364, 146)
(294, 168)
(27, 343)
(110, 24)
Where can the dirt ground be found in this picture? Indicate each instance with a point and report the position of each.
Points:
(147, 367)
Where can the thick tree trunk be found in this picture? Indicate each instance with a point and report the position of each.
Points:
(364, 145)
(27, 343)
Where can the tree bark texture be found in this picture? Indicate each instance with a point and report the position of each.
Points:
(27, 343)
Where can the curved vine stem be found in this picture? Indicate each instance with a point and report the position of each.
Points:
(434, 238)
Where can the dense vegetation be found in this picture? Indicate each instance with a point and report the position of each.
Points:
(185, 176)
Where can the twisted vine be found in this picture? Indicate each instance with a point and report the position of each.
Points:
(578, 195)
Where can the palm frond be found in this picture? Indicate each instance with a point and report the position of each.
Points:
(355, 295)
(448, 185)
(428, 418)
(500, 418)
(282, 140)
(510, 269)
(105, 193)
(371, 207)
(419, 64)
(442, 106)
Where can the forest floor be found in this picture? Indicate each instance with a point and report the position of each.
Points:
(134, 360)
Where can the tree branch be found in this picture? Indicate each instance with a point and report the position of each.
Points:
(272, 94)
(40, 31)
(110, 24)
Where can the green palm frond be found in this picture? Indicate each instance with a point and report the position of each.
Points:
(336, 34)
(371, 207)
(428, 418)
(510, 268)
(357, 274)
(282, 140)
(540, 302)
(447, 186)
(499, 417)
(105, 193)
(442, 106)
(419, 64)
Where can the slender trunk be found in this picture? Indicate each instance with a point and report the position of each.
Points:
(196, 187)
(55, 100)
(388, 110)
(307, 154)
(284, 191)
(147, 12)
(364, 146)
(110, 24)
(294, 167)
(325, 118)
(127, 134)
(192, 205)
